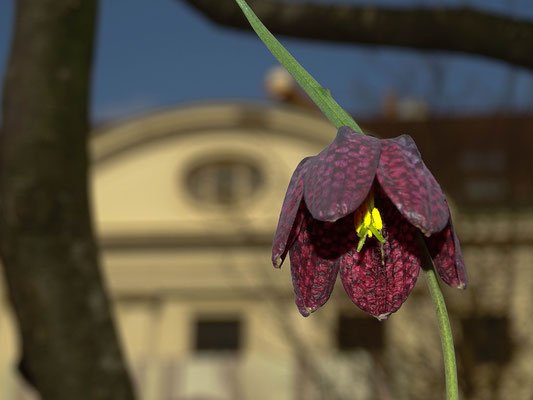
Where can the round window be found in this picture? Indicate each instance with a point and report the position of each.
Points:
(224, 181)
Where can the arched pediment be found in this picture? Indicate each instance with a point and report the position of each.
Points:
(217, 171)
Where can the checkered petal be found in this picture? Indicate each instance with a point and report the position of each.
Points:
(315, 258)
(340, 176)
(409, 184)
(289, 219)
(379, 285)
(447, 256)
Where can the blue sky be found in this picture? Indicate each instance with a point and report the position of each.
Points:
(155, 54)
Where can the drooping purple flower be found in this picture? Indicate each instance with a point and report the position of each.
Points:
(354, 209)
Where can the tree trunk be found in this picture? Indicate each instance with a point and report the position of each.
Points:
(50, 259)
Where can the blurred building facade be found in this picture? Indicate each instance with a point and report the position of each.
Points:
(186, 202)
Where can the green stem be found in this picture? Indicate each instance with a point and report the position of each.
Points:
(320, 96)
(446, 337)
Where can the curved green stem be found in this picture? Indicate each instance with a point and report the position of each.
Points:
(448, 351)
(320, 96)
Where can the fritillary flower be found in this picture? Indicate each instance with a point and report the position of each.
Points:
(355, 208)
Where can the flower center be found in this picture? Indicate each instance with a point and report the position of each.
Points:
(367, 221)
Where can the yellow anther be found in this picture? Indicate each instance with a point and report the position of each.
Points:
(367, 221)
(376, 218)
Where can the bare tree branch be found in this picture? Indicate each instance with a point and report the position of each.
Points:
(69, 346)
(461, 30)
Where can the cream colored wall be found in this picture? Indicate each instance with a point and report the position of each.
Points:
(8, 350)
(139, 194)
(141, 191)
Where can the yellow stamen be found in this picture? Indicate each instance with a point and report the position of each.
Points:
(376, 217)
(367, 221)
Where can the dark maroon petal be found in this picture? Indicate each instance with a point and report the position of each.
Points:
(447, 256)
(410, 185)
(379, 285)
(315, 261)
(340, 176)
(289, 224)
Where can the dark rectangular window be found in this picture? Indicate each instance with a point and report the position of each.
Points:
(359, 332)
(218, 335)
